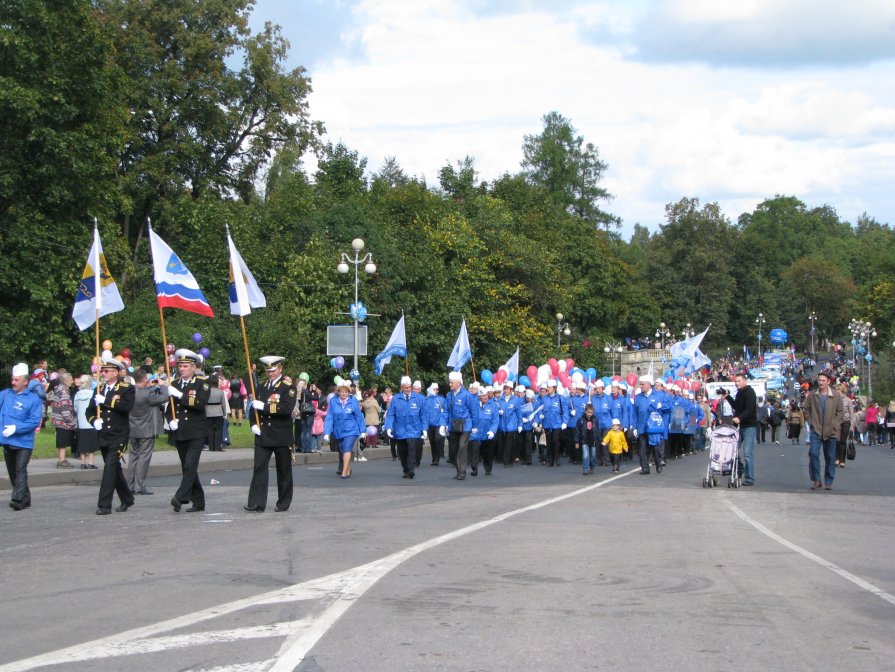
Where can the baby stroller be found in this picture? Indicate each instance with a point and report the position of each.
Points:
(723, 457)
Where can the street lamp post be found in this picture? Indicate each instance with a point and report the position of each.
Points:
(870, 333)
(614, 350)
(688, 331)
(760, 322)
(357, 245)
(812, 318)
(661, 333)
(562, 328)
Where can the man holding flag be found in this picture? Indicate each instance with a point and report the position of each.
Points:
(189, 394)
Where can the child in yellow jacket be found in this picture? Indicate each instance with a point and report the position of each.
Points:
(617, 443)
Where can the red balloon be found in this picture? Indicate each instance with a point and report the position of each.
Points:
(615, 379)
(554, 366)
(499, 376)
(126, 353)
(532, 374)
(631, 379)
(570, 363)
(685, 385)
(170, 349)
(564, 379)
(172, 360)
(695, 385)
(679, 383)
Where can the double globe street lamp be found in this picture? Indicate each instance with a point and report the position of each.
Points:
(562, 328)
(614, 350)
(662, 333)
(358, 312)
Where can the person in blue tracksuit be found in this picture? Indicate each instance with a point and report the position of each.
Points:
(343, 425)
(679, 417)
(578, 398)
(406, 423)
(510, 426)
(664, 398)
(21, 411)
(619, 406)
(527, 413)
(462, 412)
(647, 412)
(484, 430)
(435, 410)
(694, 422)
(603, 412)
(554, 418)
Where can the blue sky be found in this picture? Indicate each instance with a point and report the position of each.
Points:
(731, 102)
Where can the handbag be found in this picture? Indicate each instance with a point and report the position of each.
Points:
(458, 425)
(307, 409)
(850, 451)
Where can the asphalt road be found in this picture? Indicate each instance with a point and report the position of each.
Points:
(531, 568)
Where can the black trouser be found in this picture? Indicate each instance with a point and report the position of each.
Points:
(297, 428)
(774, 433)
(616, 460)
(527, 444)
(436, 444)
(554, 446)
(261, 477)
(215, 433)
(842, 441)
(113, 478)
(475, 456)
(506, 447)
(393, 445)
(542, 447)
(762, 432)
(568, 445)
(486, 449)
(407, 454)
(190, 490)
(646, 451)
(675, 445)
(602, 451)
(17, 460)
(458, 446)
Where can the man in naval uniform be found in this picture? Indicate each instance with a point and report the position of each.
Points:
(189, 394)
(270, 416)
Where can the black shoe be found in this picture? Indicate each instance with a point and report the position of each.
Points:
(475, 472)
(434, 464)
(279, 510)
(487, 473)
(144, 492)
(410, 475)
(658, 468)
(124, 507)
(644, 471)
(195, 509)
(460, 478)
(103, 511)
(253, 509)
(16, 506)
(176, 504)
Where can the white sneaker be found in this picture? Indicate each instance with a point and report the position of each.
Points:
(362, 459)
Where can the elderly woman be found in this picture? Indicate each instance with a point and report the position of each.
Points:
(64, 419)
(344, 423)
(88, 442)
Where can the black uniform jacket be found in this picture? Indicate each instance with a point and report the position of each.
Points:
(190, 408)
(114, 412)
(276, 416)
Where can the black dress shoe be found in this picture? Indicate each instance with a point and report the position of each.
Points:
(103, 511)
(194, 509)
(279, 510)
(16, 506)
(253, 509)
(176, 504)
(474, 472)
(410, 475)
(144, 492)
(124, 507)
(658, 468)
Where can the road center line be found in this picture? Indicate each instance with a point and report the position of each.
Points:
(845, 574)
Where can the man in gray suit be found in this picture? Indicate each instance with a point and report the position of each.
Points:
(146, 423)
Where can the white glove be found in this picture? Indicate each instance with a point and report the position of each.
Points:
(9, 430)
(256, 430)
(535, 426)
(573, 412)
(166, 425)
(174, 392)
(390, 434)
(490, 435)
(563, 426)
(98, 424)
(519, 429)
(500, 412)
(258, 405)
(173, 425)
(659, 405)
(635, 433)
(424, 435)
(475, 430)
(442, 431)
(100, 399)
(326, 438)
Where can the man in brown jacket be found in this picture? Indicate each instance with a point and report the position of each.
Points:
(823, 413)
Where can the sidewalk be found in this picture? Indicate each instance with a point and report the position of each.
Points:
(167, 463)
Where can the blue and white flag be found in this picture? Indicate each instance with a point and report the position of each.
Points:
(175, 286)
(244, 291)
(461, 353)
(512, 367)
(397, 345)
(89, 302)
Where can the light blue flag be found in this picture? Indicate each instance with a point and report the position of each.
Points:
(461, 353)
(397, 345)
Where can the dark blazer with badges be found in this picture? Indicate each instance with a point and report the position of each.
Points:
(276, 416)
(114, 412)
(190, 408)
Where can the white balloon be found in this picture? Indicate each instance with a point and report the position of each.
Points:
(578, 377)
(562, 365)
(107, 354)
(543, 372)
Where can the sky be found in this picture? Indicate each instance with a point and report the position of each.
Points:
(727, 101)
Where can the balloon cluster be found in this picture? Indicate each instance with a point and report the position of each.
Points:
(337, 362)
(123, 356)
(197, 337)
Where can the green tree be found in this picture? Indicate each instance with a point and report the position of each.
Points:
(571, 171)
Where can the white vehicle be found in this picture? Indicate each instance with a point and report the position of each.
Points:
(711, 390)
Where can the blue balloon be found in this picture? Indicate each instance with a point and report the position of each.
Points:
(778, 336)
(332, 362)
(607, 380)
(590, 375)
(487, 376)
(512, 377)
(355, 375)
(525, 380)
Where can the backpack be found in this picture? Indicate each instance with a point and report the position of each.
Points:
(655, 423)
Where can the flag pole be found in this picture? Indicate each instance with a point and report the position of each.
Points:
(97, 290)
(407, 357)
(245, 343)
(161, 317)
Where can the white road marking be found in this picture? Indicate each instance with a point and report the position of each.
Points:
(845, 574)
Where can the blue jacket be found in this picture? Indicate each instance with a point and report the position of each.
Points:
(603, 410)
(344, 421)
(510, 413)
(620, 407)
(643, 406)
(527, 413)
(435, 410)
(405, 417)
(555, 412)
(34, 385)
(678, 414)
(576, 406)
(24, 410)
(488, 420)
(462, 405)
(696, 416)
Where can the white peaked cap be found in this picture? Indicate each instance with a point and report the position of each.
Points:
(455, 376)
(405, 380)
(20, 370)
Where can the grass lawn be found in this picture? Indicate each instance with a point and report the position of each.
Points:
(45, 441)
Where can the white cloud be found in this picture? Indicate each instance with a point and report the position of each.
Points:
(437, 81)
